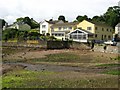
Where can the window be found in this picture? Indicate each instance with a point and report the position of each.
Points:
(52, 34)
(107, 29)
(62, 34)
(52, 29)
(70, 28)
(59, 28)
(96, 28)
(95, 35)
(102, 37)
(64, 28)
(43, 26)
(105, 36)
(43, 32)
(84, 36)
(102, 29)
(110, 30)
(89, 28)
(109, 37)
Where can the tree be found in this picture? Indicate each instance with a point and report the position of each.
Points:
(61, 17)
(20, 19)
(27, 20)
(112, 16)
(30, 21)
(81, 18)
(3, 22)
(98, 19)
(9, 34)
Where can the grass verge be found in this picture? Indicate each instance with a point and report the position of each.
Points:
(113, 72)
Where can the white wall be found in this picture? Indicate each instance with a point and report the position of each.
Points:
(44, 29)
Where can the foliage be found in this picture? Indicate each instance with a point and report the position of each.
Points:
(81, 18)
(109, 65)
(112, 16)
(98, 19)
(9, 34)
(61, 17)
(29, 21)
(33, 35)
(113, 72)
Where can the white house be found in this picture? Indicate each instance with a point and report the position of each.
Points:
(45, 26)
(80, 35)
(117, 28)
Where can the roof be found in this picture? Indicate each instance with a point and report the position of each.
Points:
(60, 31)
(65, 24)
(99, 23)
(118, 25)
(52, 22)
(82, 31)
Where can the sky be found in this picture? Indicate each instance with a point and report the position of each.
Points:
(40, 10)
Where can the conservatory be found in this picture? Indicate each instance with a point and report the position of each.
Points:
(80, 35)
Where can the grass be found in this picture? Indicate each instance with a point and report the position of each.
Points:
(61, 57)
(108, 65)
(48, 79)
(117, 58)
(113, 72)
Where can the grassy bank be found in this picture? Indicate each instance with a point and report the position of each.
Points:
(47, 79)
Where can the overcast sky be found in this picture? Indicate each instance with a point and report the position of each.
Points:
(46, 9)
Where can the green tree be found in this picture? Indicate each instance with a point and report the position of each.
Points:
(112, 16)
(19, 19)
(81, 18)
(98, 19)
(9, 34)
(61, 17)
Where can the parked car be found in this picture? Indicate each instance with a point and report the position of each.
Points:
(99, 41)
(110, 42)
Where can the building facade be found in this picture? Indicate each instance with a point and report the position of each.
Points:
(100, 31)
(61, 30)
(45, 26)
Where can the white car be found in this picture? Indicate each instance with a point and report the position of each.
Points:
(110, 42)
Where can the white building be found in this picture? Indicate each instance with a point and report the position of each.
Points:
(45, 26)
(117, 29)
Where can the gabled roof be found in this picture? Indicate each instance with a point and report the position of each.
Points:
(118, 25)
(99, 23)
(82, 30)
(65, 24)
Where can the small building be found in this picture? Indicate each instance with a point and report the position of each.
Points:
(117, 31)
(45, 26)
(80, 35)
(20, 26)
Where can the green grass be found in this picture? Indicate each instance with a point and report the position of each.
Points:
(117, 58)
(61, 57)
(47, 79)
(108, 65)
(113, 72)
